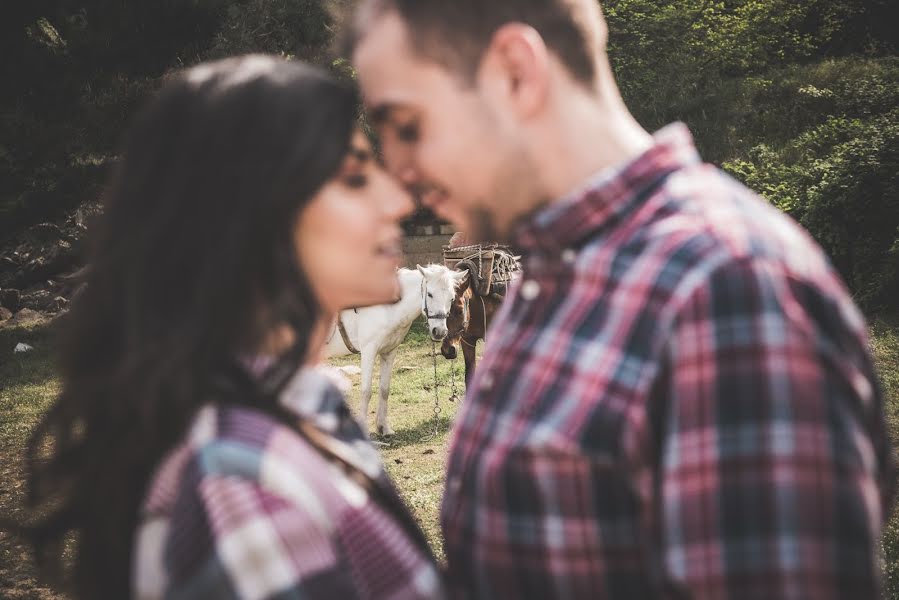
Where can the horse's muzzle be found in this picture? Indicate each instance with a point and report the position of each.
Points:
(448, 351)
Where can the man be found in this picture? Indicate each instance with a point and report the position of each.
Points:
(678, 400)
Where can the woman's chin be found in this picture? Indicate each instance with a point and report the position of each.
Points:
(389, 260)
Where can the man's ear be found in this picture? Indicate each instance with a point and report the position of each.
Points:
(516, 68)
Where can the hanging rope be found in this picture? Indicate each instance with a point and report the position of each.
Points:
(455, 395)
(437, 409)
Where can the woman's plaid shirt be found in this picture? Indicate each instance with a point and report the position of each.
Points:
(677, 401)
(247, 508)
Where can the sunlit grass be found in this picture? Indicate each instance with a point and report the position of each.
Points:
(414, 457)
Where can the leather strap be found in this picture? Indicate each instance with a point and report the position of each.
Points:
(346, 338)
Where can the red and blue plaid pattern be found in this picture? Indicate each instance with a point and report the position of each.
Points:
(678, 401)
(247, 508)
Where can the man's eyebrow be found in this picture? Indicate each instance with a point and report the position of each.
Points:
(380, 113)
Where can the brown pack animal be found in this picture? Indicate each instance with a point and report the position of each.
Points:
(469, 318)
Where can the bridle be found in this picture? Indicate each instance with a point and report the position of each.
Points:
(466, 319)
(424, 303)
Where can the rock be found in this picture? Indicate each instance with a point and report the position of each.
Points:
(350, 370)
(38, 300)
(26, 316)
(5, 314)
(46, 232)
(10, 298)
(56, 259)
(21, 347)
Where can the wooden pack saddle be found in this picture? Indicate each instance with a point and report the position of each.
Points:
(487, 264)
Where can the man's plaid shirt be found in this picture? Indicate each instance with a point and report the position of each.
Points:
(677, 401)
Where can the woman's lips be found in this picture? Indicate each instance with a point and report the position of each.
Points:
(390, 250)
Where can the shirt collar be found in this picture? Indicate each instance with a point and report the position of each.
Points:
(607, 197)
(314, 392)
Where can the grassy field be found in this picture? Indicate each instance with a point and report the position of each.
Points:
(414, 457)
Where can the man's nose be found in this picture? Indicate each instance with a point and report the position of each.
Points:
(398, 162)
(408, 176)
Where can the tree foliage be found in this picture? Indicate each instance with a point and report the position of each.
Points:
(798, 98)
(795, 97)
(79, 69)
(672, 55)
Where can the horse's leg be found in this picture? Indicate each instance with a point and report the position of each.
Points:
(469, 351)
(384, 392)
(368, 365)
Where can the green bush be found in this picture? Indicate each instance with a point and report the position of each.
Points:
(840, 180)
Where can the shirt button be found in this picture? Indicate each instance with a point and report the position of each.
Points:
(530, 289)
(487, 381)
(454, 485)
(569, 256)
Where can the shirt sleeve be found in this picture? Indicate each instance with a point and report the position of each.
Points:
(773, 459)
(234, 539)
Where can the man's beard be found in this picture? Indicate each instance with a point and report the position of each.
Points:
(483, 228)
(515, 189)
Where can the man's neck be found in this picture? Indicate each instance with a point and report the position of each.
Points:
(592, 133)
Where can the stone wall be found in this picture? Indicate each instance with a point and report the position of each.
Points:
(424, 244)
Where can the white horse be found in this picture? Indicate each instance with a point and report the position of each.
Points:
(378, 330)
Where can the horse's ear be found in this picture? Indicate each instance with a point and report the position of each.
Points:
(421, 270)
(461, 277)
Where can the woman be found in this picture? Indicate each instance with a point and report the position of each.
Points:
(195, 449)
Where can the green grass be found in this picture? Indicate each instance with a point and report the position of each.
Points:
(414, 457)
(885, 343)
(27, 387)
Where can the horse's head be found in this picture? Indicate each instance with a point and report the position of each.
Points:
(438, 290)
(457, 321)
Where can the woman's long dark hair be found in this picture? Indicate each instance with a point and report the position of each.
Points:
(191, 264)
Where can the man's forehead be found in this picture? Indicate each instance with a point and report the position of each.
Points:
(388, 97)
(384, 40)
(390, 74)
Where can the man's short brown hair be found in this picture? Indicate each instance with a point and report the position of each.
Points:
(455, 33)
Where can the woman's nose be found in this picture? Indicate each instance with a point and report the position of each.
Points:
(396, 201)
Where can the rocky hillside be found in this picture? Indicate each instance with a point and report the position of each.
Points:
(39, 266)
